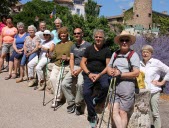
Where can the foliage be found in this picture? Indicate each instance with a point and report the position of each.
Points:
(163, 21)
(5, 4)
(43, 9)
(160, 51)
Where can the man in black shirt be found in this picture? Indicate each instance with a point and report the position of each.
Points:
(94, 62)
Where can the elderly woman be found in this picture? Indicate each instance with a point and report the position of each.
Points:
(93, 63)
(18, 51)
(47, 47)
(7, 39)
(60, 56)
(31, 45)
(152, 69)
(125, 72)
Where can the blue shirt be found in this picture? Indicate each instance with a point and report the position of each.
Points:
(20, 40)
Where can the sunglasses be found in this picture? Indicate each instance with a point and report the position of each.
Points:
(76, 33)
(98, 37)
(124, 40)
(45, 34)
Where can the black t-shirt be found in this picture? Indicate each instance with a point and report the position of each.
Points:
(96, 60)
(78, 51)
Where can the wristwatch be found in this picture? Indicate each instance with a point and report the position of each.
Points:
(87, 73)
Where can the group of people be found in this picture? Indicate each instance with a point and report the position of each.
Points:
(81, 64)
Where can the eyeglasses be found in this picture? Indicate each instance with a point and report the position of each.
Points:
(124, 40)
(98, 37)
(45, 34)
(78, 33)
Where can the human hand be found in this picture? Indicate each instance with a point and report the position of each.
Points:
(92, 77)
(157, 83)
(64, 57)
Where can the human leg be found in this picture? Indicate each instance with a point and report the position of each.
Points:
(31, 65)
(67, 90)
(154, 102)
(40, 73)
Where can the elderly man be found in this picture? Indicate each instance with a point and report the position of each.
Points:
(75, 74)
(58, 24)
(42, 28)
(125, 70)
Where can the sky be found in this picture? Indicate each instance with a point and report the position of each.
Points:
(115, 7)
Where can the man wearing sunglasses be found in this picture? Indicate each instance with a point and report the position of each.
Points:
(75, 74)
(125, 78)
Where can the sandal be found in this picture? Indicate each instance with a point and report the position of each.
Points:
(14, 76)
(8, 77)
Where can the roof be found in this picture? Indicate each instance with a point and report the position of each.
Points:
(64, 1)
(117, 16)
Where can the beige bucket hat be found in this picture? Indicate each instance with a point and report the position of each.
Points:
(125, 34)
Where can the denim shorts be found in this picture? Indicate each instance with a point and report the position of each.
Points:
(15, 55)
(24, 58)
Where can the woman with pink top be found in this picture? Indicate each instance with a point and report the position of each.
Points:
(7, 40)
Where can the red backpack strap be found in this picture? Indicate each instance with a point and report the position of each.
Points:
(128, 59)
(115, 55)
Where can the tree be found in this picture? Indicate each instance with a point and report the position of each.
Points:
(5, 6)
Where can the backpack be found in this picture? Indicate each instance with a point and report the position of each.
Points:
(139, 81)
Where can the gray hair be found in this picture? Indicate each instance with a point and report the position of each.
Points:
(33, 27)
(60, 21)
(20, 24)
(99, 31)
(148, 47)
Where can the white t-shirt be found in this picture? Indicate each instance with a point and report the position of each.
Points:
(46, 45)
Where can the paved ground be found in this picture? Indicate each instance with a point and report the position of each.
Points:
(21, 107)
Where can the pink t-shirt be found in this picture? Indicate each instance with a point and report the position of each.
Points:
(1, 26)
(8, 34)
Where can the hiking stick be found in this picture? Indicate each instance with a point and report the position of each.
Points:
(112, 99)
(60, 80)
(108, 99)
(45, 73)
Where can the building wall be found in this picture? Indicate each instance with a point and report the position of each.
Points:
(142, 11)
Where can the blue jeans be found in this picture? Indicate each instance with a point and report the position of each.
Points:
(88, 92)
(24, 58)
(15, 55)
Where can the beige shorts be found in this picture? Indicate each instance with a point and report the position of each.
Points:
(7, 48)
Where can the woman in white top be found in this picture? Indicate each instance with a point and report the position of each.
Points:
(46, 47)
(152, 69)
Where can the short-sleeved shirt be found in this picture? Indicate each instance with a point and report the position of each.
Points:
(78, 52)
(31, 43)
(122, 63)
(56, 39)
(46, 45)
(20, 40)
(96, 60)
(61, 49)
(8, 34)
(2, 25)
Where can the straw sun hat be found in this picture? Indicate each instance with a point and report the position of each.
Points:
(46, 32)
(125, 34)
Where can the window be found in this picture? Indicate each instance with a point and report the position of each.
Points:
(137, 15)
(149, 15)
(78, 11)
(77, 1)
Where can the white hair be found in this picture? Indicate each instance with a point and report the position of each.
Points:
(60, 21)
(20, 24)
(33, 27)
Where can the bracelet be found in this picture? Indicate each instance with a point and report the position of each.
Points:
(88, 73)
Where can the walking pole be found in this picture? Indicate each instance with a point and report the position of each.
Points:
(109, 99)
(112, 99)
(60, 80)
(45, 73)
